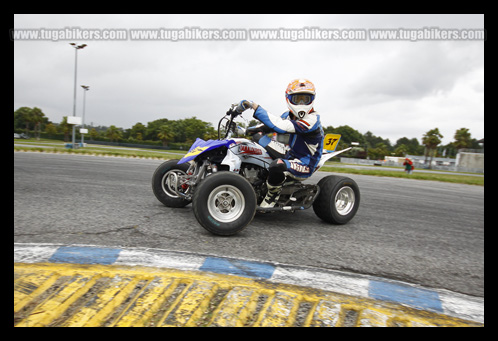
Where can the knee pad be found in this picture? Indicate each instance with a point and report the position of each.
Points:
(276, 174)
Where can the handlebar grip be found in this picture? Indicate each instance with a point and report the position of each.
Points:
(232, 112)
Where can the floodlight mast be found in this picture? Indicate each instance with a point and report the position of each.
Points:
(76, 48)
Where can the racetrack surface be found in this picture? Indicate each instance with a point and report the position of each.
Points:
(422, 232)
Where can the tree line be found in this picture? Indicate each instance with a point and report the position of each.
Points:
(183, 132)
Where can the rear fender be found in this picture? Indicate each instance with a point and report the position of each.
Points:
(326, 156)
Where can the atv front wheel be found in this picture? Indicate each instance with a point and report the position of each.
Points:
(163, 184)
(224, 203)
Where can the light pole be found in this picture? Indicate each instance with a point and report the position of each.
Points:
(76, 47)
(85, 89)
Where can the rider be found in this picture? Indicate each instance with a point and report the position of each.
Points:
(300, 159)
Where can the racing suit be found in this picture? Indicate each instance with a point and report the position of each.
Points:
(305, 145)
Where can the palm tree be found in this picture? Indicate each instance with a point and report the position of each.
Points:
(462, 139)
(431, 140)
(165, 134)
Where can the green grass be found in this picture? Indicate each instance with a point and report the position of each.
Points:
(455, 178)
(53, 146)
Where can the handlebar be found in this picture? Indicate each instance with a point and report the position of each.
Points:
(229, 127)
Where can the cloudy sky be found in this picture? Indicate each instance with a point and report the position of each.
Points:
(391, 87)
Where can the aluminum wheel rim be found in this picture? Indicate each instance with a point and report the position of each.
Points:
(226, 203)
(168, 181)
(344, 200)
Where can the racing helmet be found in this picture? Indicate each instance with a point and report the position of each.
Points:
(300, 96)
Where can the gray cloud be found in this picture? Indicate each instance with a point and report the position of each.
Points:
(392, 88)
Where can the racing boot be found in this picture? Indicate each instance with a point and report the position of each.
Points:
(272, 196)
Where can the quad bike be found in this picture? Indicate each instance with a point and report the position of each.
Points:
(225, 180)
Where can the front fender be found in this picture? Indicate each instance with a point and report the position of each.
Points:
(232, 161)
(200, 146)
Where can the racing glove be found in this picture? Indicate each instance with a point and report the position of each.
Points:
(244, 105)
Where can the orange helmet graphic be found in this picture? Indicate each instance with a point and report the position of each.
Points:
(300, 96)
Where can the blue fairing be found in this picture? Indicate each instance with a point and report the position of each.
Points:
(200, 146)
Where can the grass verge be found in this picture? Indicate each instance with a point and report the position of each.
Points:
(455, 178)
(50, 147)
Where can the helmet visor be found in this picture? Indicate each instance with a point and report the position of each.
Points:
(301, 99)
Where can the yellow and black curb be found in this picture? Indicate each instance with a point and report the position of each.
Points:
(92, 287)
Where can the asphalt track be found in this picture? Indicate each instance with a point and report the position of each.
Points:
(431, 237)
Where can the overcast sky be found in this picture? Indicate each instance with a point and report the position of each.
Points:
(393, 88)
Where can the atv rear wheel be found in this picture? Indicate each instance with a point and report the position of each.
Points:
(224, 203)
(338, 201)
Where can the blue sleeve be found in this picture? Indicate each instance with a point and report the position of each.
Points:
(277, 124)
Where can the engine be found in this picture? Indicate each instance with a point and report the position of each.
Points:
(257, 177)
(252, 173)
